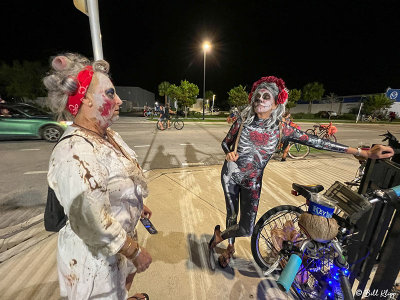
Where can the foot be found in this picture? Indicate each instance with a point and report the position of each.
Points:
(283, 159)
(225, 257)
(216, 238)
(139, 296)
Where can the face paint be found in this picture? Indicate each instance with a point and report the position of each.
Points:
(106, 101)
(263, 101)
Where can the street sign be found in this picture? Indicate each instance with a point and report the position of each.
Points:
(393, 94)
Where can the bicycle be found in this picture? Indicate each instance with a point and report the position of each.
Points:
(324, 131)
(312, 267)
(176, 122)
(296, 150)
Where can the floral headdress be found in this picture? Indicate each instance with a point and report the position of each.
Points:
(283, 91)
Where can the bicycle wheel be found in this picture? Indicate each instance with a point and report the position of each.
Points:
(178, 124)
(331, 137)
(264, 245)
(298, 151)
(164, 125)
(311, 131)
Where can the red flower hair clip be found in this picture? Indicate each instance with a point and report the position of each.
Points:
(283, 92)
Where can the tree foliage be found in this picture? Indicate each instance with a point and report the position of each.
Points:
(294, 96)
(163, 90)
(185, 94)
(209, 95)
(238, 96)
(312, 91)
(22, 80)
(375, 103)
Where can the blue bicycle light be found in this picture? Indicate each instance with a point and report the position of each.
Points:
(346, 272)
(330, 282)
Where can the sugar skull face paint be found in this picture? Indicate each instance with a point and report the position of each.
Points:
(105, 100)
(263, 101)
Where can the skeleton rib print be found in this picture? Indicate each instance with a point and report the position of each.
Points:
(257, 144)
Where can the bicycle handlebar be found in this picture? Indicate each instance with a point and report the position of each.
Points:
(391, 196)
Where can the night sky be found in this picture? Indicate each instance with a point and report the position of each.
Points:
(352, 47)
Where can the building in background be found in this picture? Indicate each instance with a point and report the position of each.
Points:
(134, 98)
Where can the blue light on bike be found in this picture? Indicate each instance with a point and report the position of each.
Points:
(336, 278)
(346, 272)
(329, 294)
(330, 282)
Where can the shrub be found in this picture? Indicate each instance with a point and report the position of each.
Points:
(298, 115)
(347, 116)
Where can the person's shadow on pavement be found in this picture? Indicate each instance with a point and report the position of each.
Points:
(162, 160)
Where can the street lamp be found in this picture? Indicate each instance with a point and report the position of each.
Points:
(212, 109)
(206, 47)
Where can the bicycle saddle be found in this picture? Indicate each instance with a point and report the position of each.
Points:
(306, 190)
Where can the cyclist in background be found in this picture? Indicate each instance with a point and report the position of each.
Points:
(287, 118)
(162, 117)
(168, 113)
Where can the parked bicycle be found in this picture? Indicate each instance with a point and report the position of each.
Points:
(176, 122)
(296, 150)
(370, 118)
(310, 247)
(324, 131)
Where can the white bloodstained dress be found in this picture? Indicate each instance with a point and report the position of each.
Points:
(101, 190)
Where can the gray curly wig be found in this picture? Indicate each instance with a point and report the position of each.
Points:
(61, 80)
(276, 114)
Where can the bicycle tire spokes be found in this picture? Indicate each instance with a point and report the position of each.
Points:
(278, 222)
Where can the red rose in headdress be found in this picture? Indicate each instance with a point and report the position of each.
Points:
(279, 83)
(282, 97)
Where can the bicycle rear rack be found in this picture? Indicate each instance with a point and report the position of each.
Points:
(352, 204)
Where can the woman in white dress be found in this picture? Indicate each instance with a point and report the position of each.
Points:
(99, 183)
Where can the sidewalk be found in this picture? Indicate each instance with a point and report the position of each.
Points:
(187, 203)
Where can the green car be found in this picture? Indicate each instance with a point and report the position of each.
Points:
(21, 121)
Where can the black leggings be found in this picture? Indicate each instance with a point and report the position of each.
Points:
(248, 199)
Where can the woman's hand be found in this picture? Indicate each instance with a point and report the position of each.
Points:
(142, 261)
(232, 156)
(146, 212)
(377, 152)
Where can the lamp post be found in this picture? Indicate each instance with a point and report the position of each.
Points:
(212, 109)
(206, 47)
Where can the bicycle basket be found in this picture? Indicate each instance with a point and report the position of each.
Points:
(351, 203)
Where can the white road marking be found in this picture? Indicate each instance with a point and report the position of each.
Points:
(192, 164)
(36, 172)
(141, 146)
(29, 149)
(186, 144)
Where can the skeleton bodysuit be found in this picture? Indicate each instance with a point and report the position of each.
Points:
(256, 145)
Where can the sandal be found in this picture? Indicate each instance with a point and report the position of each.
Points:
(224, 258)
(140, 296)
(217, 236)
(211, 245)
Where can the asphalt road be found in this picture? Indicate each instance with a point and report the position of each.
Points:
(24, 164)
